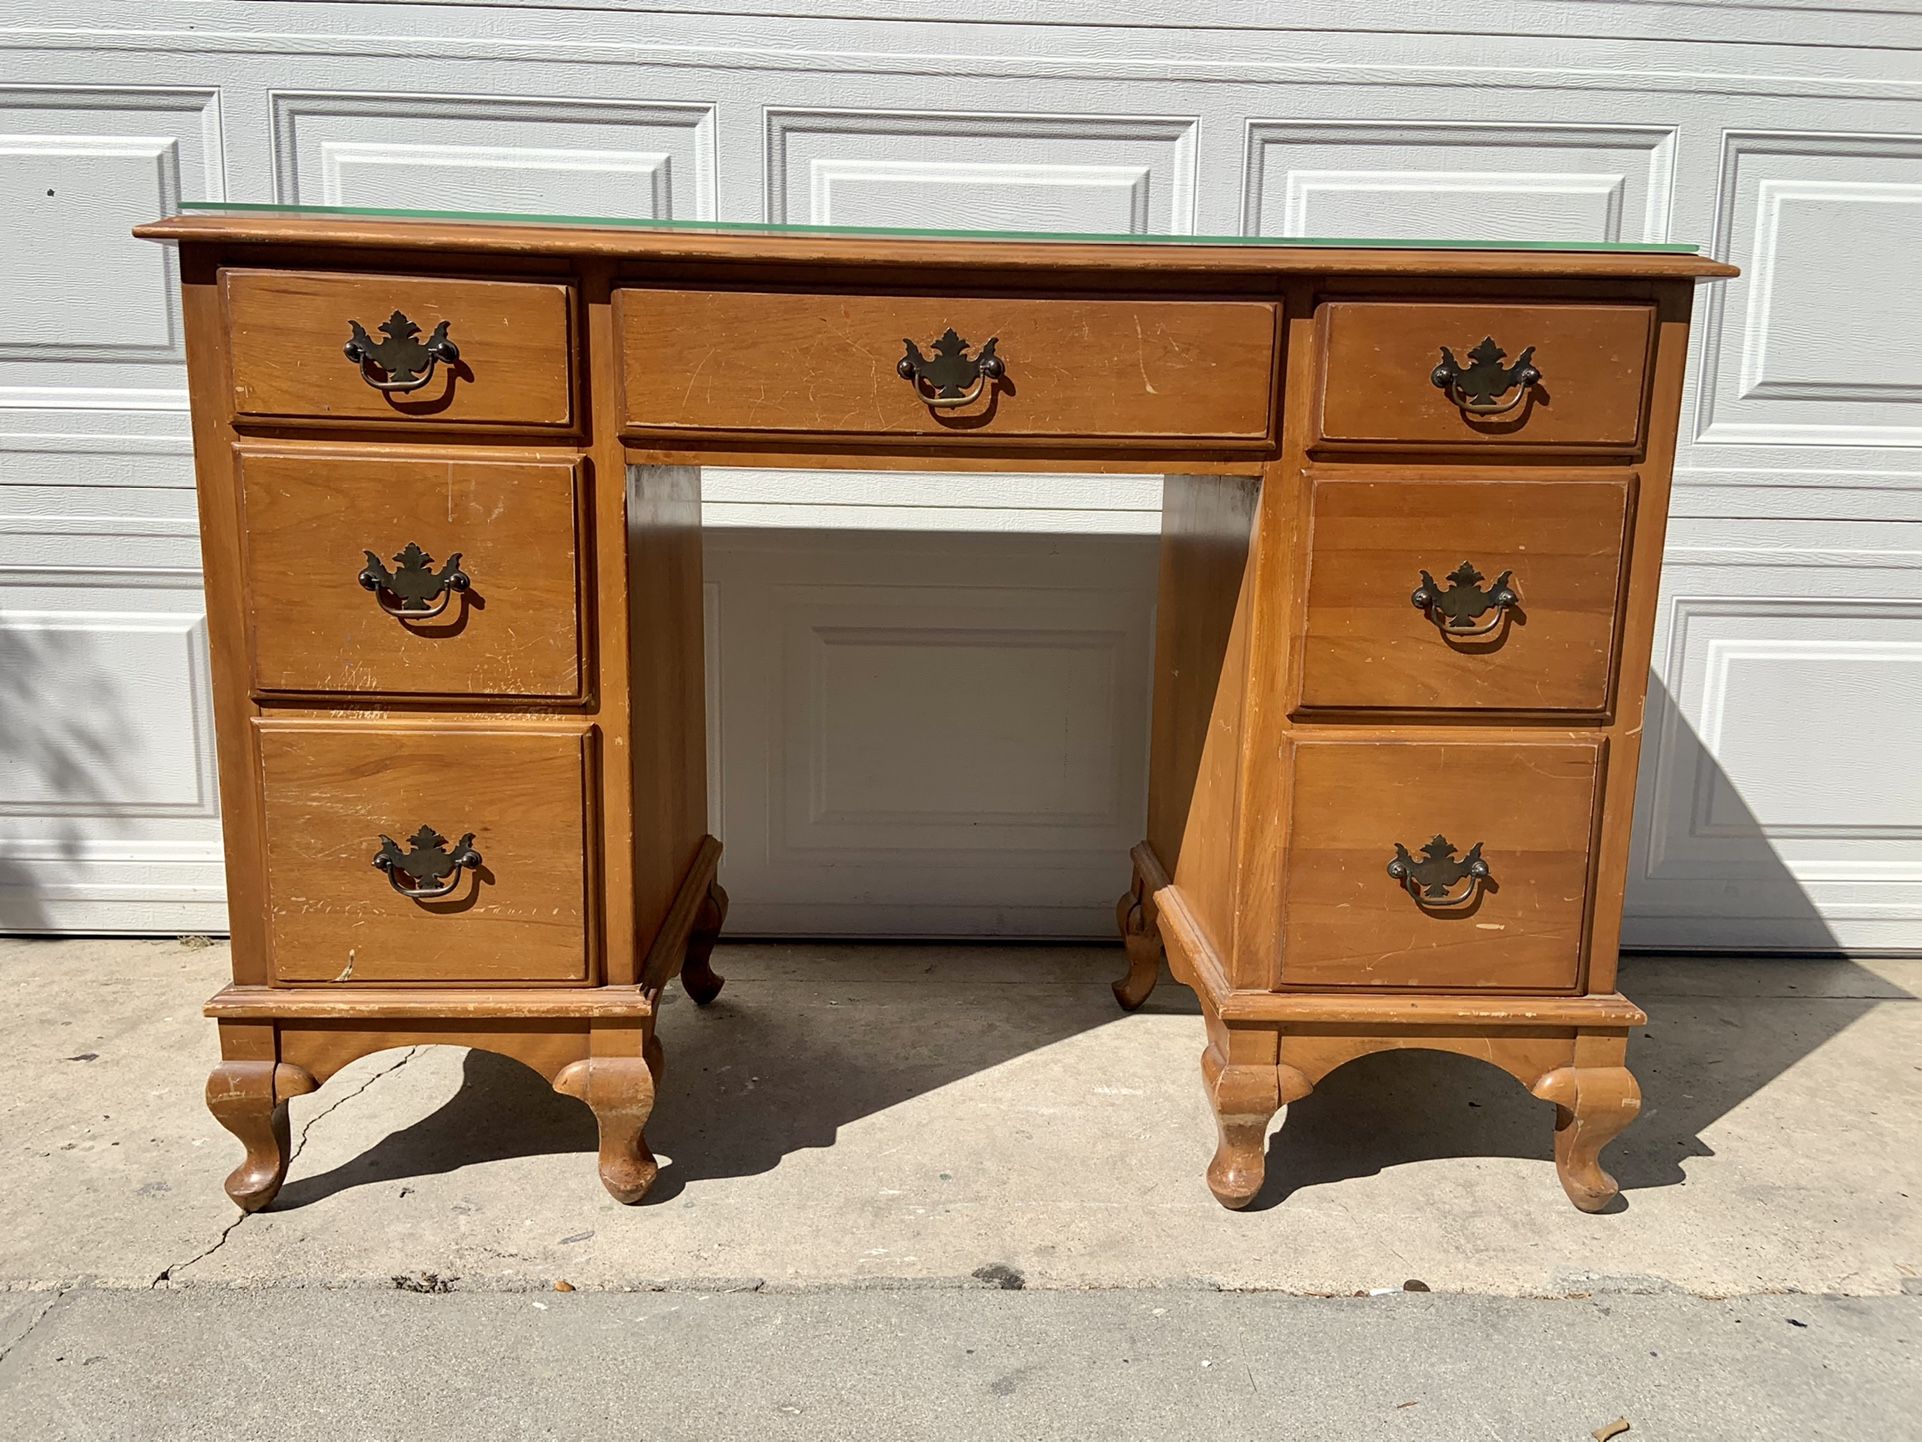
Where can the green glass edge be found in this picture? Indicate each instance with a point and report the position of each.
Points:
(758, 227)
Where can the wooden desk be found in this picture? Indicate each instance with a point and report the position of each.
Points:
(450, 505)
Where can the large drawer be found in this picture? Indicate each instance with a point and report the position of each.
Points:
(510, 364)
(1414, 375)
(1524, 808)
(719, 363)
(429, 575)
(341, 799)
(1435, 593)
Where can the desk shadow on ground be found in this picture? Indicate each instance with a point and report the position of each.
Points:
(755, 1078)
(779, 1063)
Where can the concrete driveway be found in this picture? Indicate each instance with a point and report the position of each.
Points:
(939, 1191)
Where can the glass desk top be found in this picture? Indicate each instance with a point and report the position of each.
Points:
(746, 227)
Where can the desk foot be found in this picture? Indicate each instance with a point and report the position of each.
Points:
(698, 975)
(1245, 1099)
(1135, 915)
(1593, 1104)
(249, 1099)
(620, 1091)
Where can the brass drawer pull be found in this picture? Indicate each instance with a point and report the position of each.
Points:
(433, 869)
(950, 377)
(417, 592)
(403, 362)
(1456, 610)
(1432, 879)
(1478, 387)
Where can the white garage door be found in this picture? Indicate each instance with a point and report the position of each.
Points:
(928, 692)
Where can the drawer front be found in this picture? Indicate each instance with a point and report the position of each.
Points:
(423, 575)
(1416, 375)
(1441, 594)
(1529, 806)
(511, 362)
(1136, 370)
(338, 797)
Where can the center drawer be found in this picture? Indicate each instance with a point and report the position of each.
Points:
(489, 828)
(981, 368)
(1432, 593)
(423, 575)
(1459, 864)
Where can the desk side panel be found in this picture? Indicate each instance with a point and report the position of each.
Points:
(1201, 643)
(1641, 598)
(217, 483)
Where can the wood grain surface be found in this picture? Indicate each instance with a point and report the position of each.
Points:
(310, 519)
(1377, 357)
(1366, 646)
(727, 362)
(1530, 802)
(285, 330)
(332, 790)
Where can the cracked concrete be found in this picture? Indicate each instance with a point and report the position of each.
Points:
(172, 1272)
(909, 1117)
(21, 1313)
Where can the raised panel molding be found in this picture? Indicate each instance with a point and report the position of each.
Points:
(929, 735)
(621, 158)
(944, 170)
(89, 316)
(1415, 180)
(892, 710)
(1791, 355)
(109, 817)
(1781, 798)
(67, 754)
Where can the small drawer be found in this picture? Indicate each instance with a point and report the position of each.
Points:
(1410, 375)
(427, 575)
(981, 369)
(490, 828)
(1431, 594)
(353, 348)
(1461, 865)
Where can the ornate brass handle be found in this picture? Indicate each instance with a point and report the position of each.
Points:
(1431, 881)
(430, 866)
(950, 377)
(1456, 610)
(404, 361)
(1478, 387)
(421, 593)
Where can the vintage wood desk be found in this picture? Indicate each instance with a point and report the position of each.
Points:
(450, 505)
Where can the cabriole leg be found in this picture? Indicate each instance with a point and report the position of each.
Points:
(703, 983)
(249, 1099)
(620, 1092)
(1593, 1104)
(1245, 1099)
(1134, 914)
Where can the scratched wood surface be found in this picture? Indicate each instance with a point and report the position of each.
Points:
(1366, 646)
(311, 516)
(1530, 802)
(332, 790)
(1136, 371)
(1376, 360)
(285, 331)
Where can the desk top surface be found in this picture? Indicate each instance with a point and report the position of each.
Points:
(353, 227)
